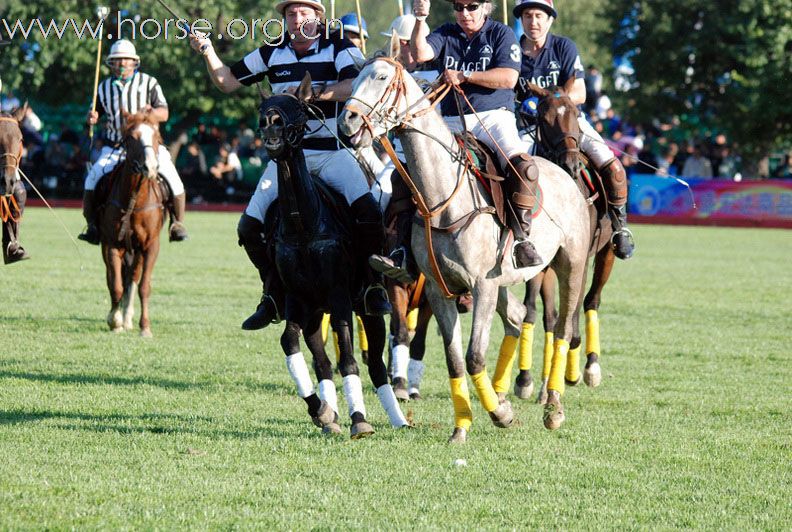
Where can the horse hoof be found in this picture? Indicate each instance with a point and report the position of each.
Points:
(592, 376)
(541, 397)
(501, 397)
(553, 412)
(117, 329)
(524, 392)
(415, 396)
(331, 428)
(325, 416)
(573, 383)
(146, 333)
(361, 429)
(400, 389)
(503, 416)
(458, 436)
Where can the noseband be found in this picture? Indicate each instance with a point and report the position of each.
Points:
(295, 123)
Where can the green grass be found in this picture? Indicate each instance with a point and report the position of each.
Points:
(200, 427)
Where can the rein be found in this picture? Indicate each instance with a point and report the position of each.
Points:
(15, 158)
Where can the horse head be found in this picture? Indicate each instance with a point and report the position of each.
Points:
(141, 139)
(283, 121)
(10, 148)
(558, 125)
(379, 92)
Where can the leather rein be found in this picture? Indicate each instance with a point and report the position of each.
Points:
(8, 203)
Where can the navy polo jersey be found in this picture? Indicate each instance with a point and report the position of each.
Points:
(494, 46)
(555, 65)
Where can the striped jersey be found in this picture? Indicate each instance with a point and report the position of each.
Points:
(328, 60)
(131, 96)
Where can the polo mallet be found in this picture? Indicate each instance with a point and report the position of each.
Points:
(505, 14)
(178, 20)
(360, 27)
(401, 7)
(101, 12)
(332, 9)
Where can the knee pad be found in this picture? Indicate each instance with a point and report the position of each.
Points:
(249, 230)
(614, 178)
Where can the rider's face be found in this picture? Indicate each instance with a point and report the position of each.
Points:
(123, 68)
(536, 23)
(470, 20)
(301, 21)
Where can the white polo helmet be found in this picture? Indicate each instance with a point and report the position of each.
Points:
(403, 26)
(123, 49)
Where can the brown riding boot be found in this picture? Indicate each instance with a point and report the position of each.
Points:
(178, 232)
(522, 196)
(91, 234)
(615, 179)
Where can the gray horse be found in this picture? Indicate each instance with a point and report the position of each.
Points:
(471, 257)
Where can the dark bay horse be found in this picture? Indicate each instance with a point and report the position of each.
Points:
(12, 191)
(313, 256)
(130, 224)
(559, 135)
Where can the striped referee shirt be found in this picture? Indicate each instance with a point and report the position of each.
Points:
(131, 96)
(328, 60)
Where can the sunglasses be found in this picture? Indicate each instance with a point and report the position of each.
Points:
(466, 7)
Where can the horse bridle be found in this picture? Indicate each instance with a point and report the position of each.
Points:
(294, 130)
(555, 153)
(15, 157)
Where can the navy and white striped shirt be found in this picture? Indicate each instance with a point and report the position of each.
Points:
(131, 96)
(328, 60)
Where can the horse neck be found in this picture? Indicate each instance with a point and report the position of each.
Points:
(131, 183)
(432, 167)
(298, 198)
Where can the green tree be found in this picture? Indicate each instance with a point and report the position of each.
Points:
(726, 63)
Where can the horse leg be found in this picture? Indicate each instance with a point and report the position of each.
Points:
(341, 321)
(362, 339)
(512, 313)
(523, 385)
(375, 331)
(144, 290)
(115, 286)
(570, 264)
(549, 319)
(320, 411)
(603, 265)
(400, 350)
(415, 369)
(323, 369)
(447, 317)
(132, 275)
(485, 300)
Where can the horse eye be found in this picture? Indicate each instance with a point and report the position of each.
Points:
(382, 77)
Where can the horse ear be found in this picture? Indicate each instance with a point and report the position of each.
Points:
(569, 85)
(537, 90)
(20, 112)
(304, 92)
(395, 47)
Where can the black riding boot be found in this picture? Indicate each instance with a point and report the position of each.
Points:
(615, 179)
(91, 234)
(522, 196)
(12, 249)
(270, 308)
(178, 232)
(370, 239)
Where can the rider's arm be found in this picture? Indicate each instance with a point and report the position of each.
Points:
(419, 46)
(578, 93)
(495, 78)
(160, 114)
(337, 92)
(221, 74)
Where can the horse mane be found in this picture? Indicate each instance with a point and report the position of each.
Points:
(134, 120)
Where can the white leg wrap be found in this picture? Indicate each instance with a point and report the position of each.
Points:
(401, 358)
(415, 372)
(327, 392)
(391, 405)
(299, 373)
(353, 392)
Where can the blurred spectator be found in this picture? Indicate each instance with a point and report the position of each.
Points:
(227, 170)
(194, 171)
(593, 80)
(784, 170)
(202, 136)
(665, 165)
(697, 165)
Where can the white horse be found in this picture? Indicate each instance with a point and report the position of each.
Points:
(471, 257)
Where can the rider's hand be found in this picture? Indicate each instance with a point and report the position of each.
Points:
(421, 8)
(92, 118)
(453, 77)
(200, 42)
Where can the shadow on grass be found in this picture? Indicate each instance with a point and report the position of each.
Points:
(160, 424)
(118, 380)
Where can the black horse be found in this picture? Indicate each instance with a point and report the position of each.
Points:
(314, 257)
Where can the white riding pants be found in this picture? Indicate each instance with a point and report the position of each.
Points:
(591, 143)
(110, 157)
(338, 169)
(501, 124)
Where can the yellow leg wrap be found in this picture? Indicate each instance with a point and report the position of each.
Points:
(325, 327)
(526, 346)
(337, 347)
(486, 394)
(412, 319)
(573, 365)
(362, 339)
(503, 369)
(592, 333)
(560, 350)
(548, 355)
(463, 412)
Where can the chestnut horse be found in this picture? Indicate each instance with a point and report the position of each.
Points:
(130, 224)
(12, 191)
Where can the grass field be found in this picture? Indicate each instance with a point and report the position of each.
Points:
(200, 427)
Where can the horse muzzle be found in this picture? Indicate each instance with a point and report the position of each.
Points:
(351, 124)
